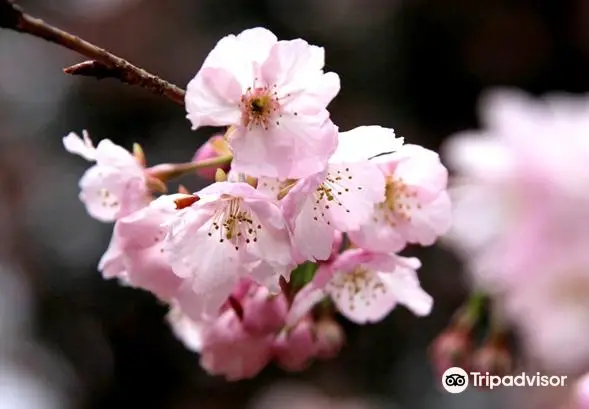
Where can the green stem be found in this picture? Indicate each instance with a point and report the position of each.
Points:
(166, 172)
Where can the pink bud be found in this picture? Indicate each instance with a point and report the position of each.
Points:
(295, 349)
(216, 146)
(493, 357)
(264, 313)
(330, 338)
(451, 348)
(338, 239)
(229, 351)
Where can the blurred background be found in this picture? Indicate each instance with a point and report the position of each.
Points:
(69, 339)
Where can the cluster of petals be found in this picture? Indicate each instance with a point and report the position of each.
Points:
(116, 185)
(250, 331)
(221, 257)
(521, 212)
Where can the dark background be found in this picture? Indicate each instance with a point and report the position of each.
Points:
(416, 65)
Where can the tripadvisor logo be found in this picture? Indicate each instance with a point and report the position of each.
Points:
(456, 380)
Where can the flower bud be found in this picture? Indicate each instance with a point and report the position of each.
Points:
(451, 348)
(295, 349)
(229, 351)
(263, 313)
(216, 146)
(493, 357)
(330, 338)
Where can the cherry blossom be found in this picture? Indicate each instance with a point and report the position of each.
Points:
(136, 252)
(341, 197)
(232, 232)
(228, 350)
(365, 287)
(417, 207)
(521, 189)
(116, 185)
(295, 348)
(274, 94)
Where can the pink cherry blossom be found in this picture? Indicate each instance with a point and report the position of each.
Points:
(263, 312)
(295, 348)
(229, 351)
(417, 207)
(232, 232)
(530, 182)
(136, 252)
(365, 287)
(186, 330)
(216, 146)
(116, 185)
(341, 197)
(520, 218)
(274, 94)
(552, 310)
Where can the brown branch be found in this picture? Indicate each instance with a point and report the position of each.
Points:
(103, 64)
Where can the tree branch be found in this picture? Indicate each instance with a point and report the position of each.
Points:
(102, 63)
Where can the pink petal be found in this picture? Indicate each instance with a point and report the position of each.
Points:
(186, 330)
(292, 65)
(258, 42)
(309, 295)
(378, 235)
(421, 168)
(361, 297)
(112, 262)
(404, 285)
(102, 191)
(110, 154)
(212, 98)
(313, 237)
(430, 222)
(356, 188)
(84, 148)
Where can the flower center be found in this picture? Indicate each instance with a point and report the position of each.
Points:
(258, 107)
(359, 285)
(234, 224)
(337, 184)
(400, 201)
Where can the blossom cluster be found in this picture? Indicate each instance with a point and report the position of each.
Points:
(521, 218)
(300, 220)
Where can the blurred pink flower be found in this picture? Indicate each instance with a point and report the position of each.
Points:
(216, 146)
(232, 232)
(274, 93)
(116, 185)
(230, 351)
(521, 217)
(417, 207)
(521, 185)
(295, 347)
(136, 251)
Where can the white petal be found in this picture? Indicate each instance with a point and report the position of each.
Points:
(354, 189)
(361, 297)
(404, 285)
(84, 148)
(365, 142)
(313, 237)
